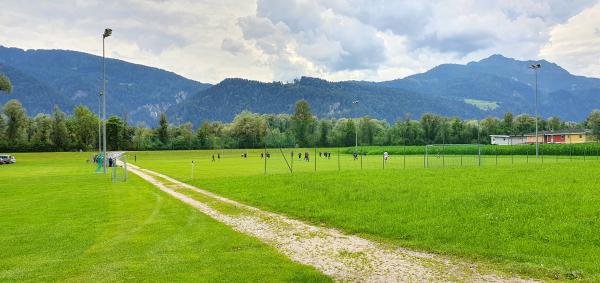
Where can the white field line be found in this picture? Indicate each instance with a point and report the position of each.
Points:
(346, 258)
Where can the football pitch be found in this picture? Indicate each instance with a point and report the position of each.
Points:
(516, 213)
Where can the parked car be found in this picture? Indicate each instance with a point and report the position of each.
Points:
(7, 159)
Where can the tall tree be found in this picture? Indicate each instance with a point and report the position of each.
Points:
(42, 136)
(302, 120)
(115, 129)
(324, 131)
(249, 129)
(5, 84)
(84, 125)
(507, 123)
(16, 121)
(162, 132)
(60, 134)
(593, 122)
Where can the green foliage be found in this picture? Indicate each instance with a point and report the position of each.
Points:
(593, 122)
(16, 121)
(162, 132)
(5, 84)
(60, 134)
(84, 127)
(115, 133)
(79, 131)
(302, 121)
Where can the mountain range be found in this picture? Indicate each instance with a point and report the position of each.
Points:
(489, 87)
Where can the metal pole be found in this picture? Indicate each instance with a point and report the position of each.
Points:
(356, 140)
(193, 169)
(361, 161)
(404, 154)
(125, 166)
(338, 155)
(315, 159)
(265, 157)
(478, 144)
(103, 105)
(425, 158)
(99, 123)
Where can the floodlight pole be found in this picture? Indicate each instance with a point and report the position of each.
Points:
(535, 68)
(99, 123)
(107, 33)
(355, 102)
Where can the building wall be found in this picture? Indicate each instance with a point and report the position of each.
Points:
(500, 140)
(555, 138)
(519, 140)
(531, 139)
(576, 138)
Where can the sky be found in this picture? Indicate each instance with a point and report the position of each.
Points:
(336, 40)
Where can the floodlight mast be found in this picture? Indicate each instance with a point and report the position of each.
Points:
(107, 33)
(535, 68)
(355, 102)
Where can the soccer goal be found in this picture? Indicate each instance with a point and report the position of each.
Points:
(443, 155)
(119, 160)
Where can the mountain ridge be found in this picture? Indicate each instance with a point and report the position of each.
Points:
(488, 87)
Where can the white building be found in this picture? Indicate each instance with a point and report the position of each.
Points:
(507, 140)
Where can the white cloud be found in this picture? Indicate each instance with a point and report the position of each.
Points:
(335, 39)
(575, 45)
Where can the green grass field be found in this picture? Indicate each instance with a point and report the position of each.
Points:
(537, 219)
(61, 222)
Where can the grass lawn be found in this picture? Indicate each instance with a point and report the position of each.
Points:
(61, 222)
(541, 220)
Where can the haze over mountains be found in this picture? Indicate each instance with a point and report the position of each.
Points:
(492, 86)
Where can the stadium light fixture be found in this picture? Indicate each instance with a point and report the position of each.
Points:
(535, 68)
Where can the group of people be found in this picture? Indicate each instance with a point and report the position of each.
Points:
(111, 162)
(325, 154)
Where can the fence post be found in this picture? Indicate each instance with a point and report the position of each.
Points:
(571, 152)
(361, 157)
(192, 169)
(315, 159)
(405, 156)
(479, 155)
(584, 152)
(443, 155)
(461, 159)
(338, 159)
(125, 167)
(265, 157)
(527, 157)
(496, 156)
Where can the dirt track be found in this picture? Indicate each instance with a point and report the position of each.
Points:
(345, 258)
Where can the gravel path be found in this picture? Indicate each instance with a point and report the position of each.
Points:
(346, 258)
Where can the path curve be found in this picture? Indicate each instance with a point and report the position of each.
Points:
(346, 258)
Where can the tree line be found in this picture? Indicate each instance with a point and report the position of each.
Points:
(79, 131)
